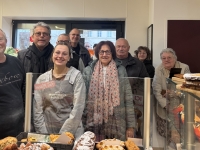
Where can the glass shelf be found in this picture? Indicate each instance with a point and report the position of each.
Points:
(183, 116)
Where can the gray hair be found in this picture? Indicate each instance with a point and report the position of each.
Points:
(42, 24)
(3, 34)
(168, 50)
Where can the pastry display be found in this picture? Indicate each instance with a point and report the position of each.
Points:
(130, 145)
(86, 141)
(7, 141)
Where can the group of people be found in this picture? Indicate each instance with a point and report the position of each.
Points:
(84, 95)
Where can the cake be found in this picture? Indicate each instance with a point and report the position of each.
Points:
(192, 81)
(86, 141)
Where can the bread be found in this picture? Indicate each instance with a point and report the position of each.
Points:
(7, 141)
(130, 145)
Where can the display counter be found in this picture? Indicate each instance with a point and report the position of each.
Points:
(183, 117)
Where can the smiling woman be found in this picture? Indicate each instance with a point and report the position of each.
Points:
(108, 93)
(59, 97)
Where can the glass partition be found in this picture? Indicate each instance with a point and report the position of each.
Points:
(183, 118)
(77, 103)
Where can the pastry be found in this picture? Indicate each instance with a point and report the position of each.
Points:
(35, 146)
(7, 141)
(53, 137)
(86, 141)
(109, 142)
(130, 145)
(192, 81)
(111, 147)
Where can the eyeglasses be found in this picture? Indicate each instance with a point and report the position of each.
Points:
(106, 52)
(166, 58)
(75, 35)
(41, 33)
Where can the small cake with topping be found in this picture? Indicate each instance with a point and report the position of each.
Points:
(86, 141)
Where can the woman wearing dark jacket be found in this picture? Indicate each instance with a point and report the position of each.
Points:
(143, 54)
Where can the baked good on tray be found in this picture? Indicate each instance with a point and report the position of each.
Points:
(110, 143)
(86, 141)
(130, 145)
(54, 137)
(7, 141)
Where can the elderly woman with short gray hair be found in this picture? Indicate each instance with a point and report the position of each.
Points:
(169, 60)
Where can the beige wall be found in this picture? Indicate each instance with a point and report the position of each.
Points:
(134, 12)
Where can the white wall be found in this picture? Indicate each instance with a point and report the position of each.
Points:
(170, 10)
(134, 12)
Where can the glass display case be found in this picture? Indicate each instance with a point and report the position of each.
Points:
(183, 118)
(58, 104)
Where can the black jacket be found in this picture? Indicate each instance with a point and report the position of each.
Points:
(149, 67)
(85, 55)
(32, 62)
(135, 68)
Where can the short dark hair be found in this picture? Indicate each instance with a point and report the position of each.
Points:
(109, 44)
(146, 49)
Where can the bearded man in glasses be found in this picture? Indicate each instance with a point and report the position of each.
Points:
(36, 57)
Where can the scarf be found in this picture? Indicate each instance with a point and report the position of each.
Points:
(43, 58)
(102, 98)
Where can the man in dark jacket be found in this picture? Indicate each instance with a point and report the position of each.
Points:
(36, 58)
(134, 67)
(79, 49)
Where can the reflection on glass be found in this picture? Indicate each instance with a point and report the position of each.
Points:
(24, 33)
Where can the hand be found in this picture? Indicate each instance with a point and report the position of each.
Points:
(129, 133)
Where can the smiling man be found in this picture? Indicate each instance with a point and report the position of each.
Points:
(79, 49)
(36, 57)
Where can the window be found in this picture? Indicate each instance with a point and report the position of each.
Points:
(91, 31)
